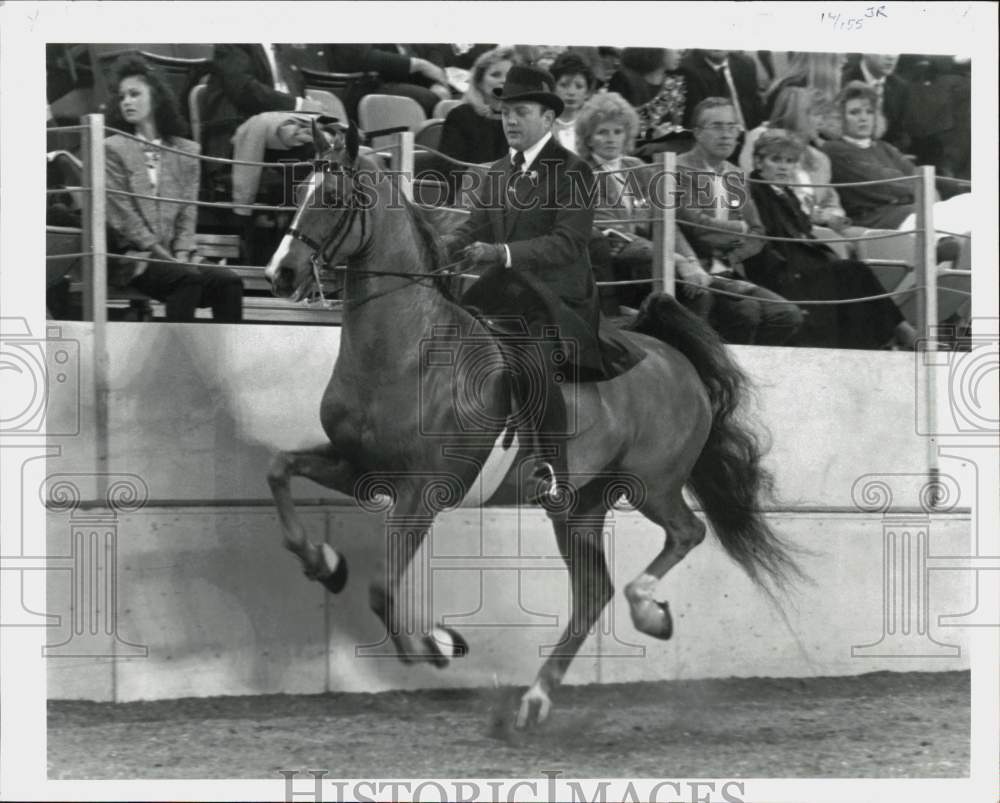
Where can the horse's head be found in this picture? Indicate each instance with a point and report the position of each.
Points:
(329, 223)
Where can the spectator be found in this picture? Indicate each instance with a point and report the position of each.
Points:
(892, 95)
(158, 162)
(800, 111)
(574, 84)
(651, 80)
(604, 62)
(723, 74)
(401, 68)
(860, 156)
(817, 71)
(713, 194)
(473, 131)
(605, 132)
(808, 269)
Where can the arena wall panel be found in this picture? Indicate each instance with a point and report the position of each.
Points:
(202, 582)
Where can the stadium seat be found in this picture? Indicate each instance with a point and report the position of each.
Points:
(195, 100)
(429, 134)
(380, 115)
(330, 103)
(444, 106)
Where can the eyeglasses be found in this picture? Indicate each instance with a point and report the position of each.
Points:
(718, 128)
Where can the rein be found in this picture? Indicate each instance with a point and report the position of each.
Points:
(323, 252)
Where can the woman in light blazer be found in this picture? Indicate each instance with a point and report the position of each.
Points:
(155, 162)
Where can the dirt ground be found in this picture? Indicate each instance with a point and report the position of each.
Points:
(880, 725)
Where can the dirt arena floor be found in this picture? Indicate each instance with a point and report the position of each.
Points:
(880, 725)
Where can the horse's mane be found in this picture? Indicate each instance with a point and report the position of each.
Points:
(427, 236)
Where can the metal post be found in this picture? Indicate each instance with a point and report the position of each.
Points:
(927, 316)
(925, 256)
(402, 162)
(95, 267)
(95, 282)
(664, 222)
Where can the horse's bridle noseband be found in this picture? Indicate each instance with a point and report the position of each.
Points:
(324, 252)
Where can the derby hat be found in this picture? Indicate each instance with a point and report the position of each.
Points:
(530, 83)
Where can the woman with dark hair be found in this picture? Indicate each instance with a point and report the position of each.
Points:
(652, 80)
(808, 269)
(157, 234)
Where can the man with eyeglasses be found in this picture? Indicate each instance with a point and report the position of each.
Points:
(715, 213)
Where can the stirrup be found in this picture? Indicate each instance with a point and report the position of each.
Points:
(543, 478)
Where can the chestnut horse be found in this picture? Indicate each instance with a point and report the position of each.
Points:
(393, 419)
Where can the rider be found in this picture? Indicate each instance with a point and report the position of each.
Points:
(528, 234)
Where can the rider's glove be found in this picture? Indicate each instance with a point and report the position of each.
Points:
(486, 255)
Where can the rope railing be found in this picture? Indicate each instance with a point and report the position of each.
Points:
(767, 237)
(64, 129)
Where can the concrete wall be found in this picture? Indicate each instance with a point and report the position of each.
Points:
(207, 602)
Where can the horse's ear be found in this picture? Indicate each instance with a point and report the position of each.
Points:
(320, 141)
(353, 141)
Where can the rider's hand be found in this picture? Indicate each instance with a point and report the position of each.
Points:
(697, 281)
(485, 255)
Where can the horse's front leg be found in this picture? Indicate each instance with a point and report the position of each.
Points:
(580, 544)
(322, 465)
(402, 601)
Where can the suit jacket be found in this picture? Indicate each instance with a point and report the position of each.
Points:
(705, 82)
(895, 105)
(241, 85)
(692, 208)
(547, 230)
(140, 223)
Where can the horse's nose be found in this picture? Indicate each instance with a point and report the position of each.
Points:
(282, 281)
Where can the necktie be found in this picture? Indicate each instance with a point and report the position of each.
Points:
(733, 96)
(518, 161)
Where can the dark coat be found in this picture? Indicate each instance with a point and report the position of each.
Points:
(810, 270)
(241, 85)
(705, 82)
(550, 279)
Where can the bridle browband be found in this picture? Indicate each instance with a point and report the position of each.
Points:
(325, 251)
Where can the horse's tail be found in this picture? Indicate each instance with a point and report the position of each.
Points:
(728, 478)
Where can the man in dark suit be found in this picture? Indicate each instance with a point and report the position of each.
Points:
(528, 233)
(722, 74)
(878, 71)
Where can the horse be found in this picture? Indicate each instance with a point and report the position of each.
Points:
(671, 421)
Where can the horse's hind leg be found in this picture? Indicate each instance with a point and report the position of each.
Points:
(321, 465)
(684, 531)
(579, 538)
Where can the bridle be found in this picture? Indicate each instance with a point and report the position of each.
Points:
(324, 252)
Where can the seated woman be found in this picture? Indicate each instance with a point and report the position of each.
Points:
(574, 85)
(158, 235)
(605, 130)
(800, 111)
(859, 156)
(652, 80)
(472, 131)
(810, 270)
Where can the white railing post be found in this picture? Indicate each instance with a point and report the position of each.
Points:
(95, 282)
(927, 304)
(402, 162)
(664, 223)
(926, 259)
(95, 270)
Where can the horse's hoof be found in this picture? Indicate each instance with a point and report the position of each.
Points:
(446, 643)
(534, 710)
(336, 579)
(667, 627)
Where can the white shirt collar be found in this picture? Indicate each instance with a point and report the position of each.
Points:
(532, 152)
(717, 65)
(861, 143)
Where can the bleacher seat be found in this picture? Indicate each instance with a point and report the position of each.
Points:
(329, 102)
(380, 115)
(444, 106)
